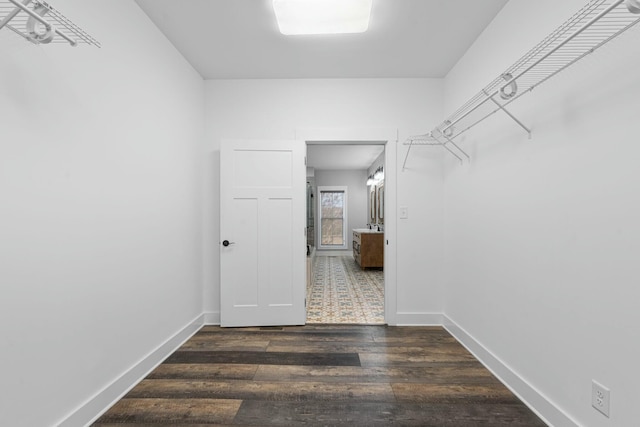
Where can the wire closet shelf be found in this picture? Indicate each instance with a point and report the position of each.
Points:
(598, 22)
(40, 23)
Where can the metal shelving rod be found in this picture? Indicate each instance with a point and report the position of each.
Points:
(450, 141)
(29, 17)
(563, 43)
(404, 164)
(451, 151)
(43, 21)
(490, 96)
(12, 15)
(515, 119)
(597, 23)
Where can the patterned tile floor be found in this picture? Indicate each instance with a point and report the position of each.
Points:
(341, 292)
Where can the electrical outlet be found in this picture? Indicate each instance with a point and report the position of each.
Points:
(600, 397)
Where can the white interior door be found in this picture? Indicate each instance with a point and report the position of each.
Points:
(262, 233)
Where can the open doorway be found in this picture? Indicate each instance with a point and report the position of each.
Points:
(345, 233)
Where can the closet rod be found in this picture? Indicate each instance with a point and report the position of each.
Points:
(11, 15)
(41, 20)
(536, 63)
(38, 22)
(597, 23)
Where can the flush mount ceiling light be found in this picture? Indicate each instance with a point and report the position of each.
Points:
(297, 17)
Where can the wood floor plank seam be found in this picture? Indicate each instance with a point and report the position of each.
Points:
(272, 358)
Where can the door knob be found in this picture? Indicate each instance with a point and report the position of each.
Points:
(226, 243)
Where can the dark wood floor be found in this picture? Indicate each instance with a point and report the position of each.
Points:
(321, 375)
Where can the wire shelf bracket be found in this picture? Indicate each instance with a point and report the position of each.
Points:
(597, 23)
(40, 23)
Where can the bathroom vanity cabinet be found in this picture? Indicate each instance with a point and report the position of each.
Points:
(368, 247)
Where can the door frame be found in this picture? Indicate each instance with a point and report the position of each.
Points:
(372, 136)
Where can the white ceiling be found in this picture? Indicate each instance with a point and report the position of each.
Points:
(239, 39)
(342, 157)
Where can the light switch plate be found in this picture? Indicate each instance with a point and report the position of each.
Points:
(404, 212)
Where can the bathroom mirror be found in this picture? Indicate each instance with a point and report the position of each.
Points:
(380, 203)
(372, 205)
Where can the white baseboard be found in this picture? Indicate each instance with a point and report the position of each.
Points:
(94, 407)
(532, 397)
(401, 319)
(211, 318)
(418, 319)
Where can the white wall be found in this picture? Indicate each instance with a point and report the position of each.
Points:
(542, 235)
(100, 185)
(264, 109)
(355, 181)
